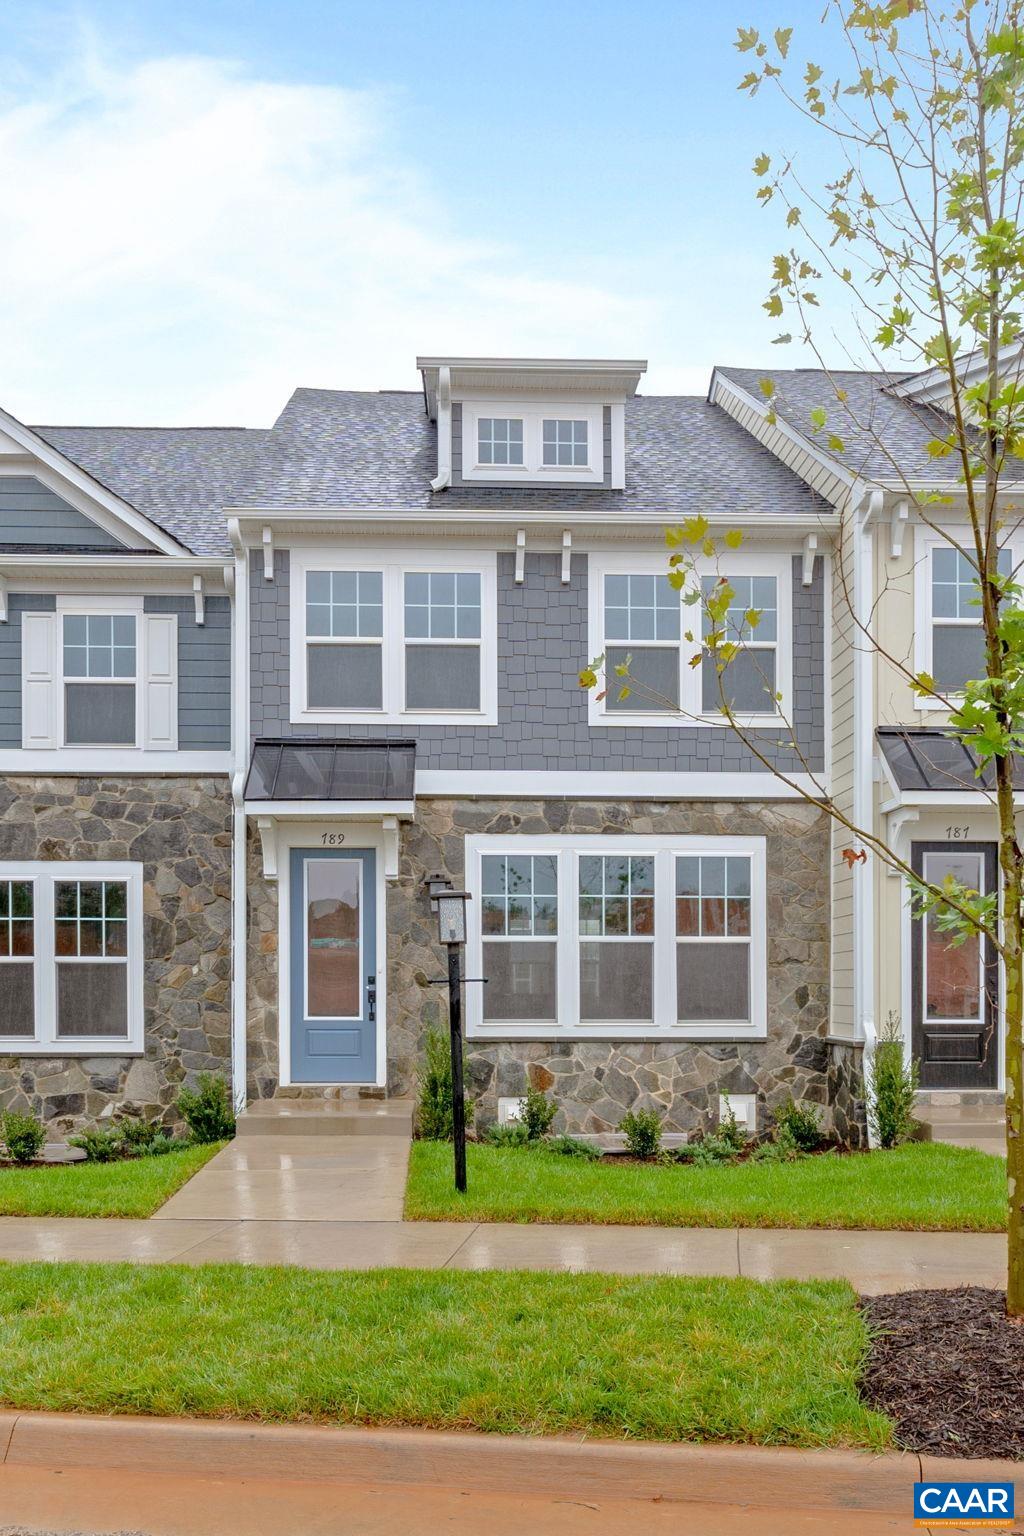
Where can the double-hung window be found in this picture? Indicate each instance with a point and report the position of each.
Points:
(951, 645)
(499, 439)
(565, 443)
(595, 936)
(71, 958)
(99, 673)
(640, 622)
(100, 653)
(534, 442)
(378, 639)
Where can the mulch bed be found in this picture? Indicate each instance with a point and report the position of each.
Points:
(948, 1369)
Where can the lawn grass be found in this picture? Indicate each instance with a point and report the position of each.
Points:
(649, 1358)
(133, 1188)
(925, 1186)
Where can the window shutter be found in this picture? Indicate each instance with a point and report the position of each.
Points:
(160, 682)
(39, 681)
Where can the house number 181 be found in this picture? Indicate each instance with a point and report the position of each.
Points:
(331, 839)
(957, 834)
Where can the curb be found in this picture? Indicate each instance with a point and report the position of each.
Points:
(707, 1474)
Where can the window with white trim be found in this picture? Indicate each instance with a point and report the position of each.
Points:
(594, 937)
(499, 439)
(380, 639)
(71, 958)
(637, 618)
(957, 639)
(544, 442)
(99, 674)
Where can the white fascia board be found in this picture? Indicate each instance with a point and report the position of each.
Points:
(331, 810)
(250, 521)
(588, 785)
(845, 480)
(947, 799)
(113, 567)
(125, 762)
(68, 470)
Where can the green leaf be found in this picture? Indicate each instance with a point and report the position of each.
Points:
(746, 38)
(588, 678)
(818, 418)
(836, 444)
(792, 217)
(767, 387)
(782, 37)
(773, 305)
(734, 538)
(761, 165)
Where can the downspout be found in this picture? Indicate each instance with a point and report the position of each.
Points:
(444, 430)
(863, 786)
(239, 884)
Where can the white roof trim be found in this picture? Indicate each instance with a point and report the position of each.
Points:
(129, 519)
(721, 385)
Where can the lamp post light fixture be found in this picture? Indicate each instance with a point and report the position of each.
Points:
(451, 931)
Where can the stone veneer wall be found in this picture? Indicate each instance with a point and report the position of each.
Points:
(179, 828)
(596, 1081)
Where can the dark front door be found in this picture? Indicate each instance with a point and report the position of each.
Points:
(955, 987)
(333, 966)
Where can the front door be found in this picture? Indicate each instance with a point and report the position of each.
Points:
(333, 965)
(955, 987)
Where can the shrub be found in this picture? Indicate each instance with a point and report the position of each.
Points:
(729, 1128)
(538, 1112)
(571, 1146)
(98, 1146)
(23, 1135)
(137, 1137)
(434, 1110)
(514, 1134)
(708, 1151)
(780, 1148)
(892, 1086)
(642, 1130)
(803, 1123)
(207, 1111)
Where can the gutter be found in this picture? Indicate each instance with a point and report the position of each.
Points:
(239, 883)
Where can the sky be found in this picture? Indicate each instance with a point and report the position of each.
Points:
(210, 202)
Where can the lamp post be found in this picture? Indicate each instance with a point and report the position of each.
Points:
(451, 930)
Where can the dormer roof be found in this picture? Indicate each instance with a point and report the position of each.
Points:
(590, 378)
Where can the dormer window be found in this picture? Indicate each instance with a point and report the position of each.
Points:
(500, 439)
(565, 443)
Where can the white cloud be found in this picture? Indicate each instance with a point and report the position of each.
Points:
(182, 242)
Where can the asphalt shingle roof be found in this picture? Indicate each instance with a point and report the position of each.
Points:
(884, 436)
(349, 448)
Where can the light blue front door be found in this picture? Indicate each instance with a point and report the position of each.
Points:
(333, 965)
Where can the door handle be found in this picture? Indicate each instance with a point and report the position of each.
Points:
(371, 999)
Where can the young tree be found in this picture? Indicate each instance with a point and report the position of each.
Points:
(920, 230)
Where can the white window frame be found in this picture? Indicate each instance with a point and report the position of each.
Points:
(926, 542)
(43, 711)
(43, 877)
(533, 415)
(691, 711)
(664, 850)
(393, 643)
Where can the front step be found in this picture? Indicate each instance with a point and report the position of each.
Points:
(981, 1125)
(327, 1117)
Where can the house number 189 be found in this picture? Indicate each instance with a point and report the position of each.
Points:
(331, 839)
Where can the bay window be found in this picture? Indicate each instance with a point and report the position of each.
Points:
(638, 619)
(71, 958)
(617, 936)
(378, 639)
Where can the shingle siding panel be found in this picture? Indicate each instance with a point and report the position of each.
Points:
(542, 711)
(204, 672)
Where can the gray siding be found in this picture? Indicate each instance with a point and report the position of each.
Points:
(10, 662)
(519, 485)
(542, 711)
(204, 672)
(204, 669)
(32, 515)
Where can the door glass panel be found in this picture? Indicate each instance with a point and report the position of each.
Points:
(953, 982)
(333, 961)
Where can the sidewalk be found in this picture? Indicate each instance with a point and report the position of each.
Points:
(193, 1478)
(873, 1262)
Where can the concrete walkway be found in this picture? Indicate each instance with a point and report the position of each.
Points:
(873, 1262)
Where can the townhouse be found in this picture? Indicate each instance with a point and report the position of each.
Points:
(259, 687)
